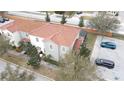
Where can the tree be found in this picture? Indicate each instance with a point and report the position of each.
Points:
(84, 51)
(32, 52)
(81, 23)
(76, 67)
(4, 45)
(104, 22)
(15, 74)
(59, 12)
(47, 17)
(34, 61)
(63, 21)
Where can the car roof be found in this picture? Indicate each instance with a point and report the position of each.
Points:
(109, 43)
(107, 61)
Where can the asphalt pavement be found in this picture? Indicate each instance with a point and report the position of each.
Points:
(116, 55)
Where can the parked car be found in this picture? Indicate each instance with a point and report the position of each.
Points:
(6, 19)
(79, 12)
(110, 45)
(104, 62)
(2, 20)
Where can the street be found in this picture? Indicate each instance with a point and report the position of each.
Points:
(116, 55)
(38, 77)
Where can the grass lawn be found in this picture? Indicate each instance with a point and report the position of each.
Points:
(91, 38)
(118, 36)
(21, 62)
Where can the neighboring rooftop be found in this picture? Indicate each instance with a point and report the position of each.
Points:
(60, 34)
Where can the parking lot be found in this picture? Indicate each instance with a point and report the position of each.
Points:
(117, 55)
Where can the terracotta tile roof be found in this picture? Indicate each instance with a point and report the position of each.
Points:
(60, 34)
(24, 25)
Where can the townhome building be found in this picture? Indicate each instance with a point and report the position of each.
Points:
(52, 39)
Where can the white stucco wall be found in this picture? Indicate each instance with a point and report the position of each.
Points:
(36, 43)
(17, 36)
(8, 34)
(54, 52)
(63, 51)
(57, 51)
(0, 31)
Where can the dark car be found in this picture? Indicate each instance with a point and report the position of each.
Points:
(6, 19)
(79, 12)
(104, 62)
(2, 20)
(109, 45)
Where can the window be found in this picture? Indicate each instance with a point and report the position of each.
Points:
(8, 34)
(51, 47)
(27, 35)
(37, 39)
(63, 49)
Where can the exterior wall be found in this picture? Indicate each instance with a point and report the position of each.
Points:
(18, 36)
(7, 33)
(57, 52)
(54, 52)
(63, 50)
(36, 43)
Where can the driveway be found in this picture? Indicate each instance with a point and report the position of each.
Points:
(38, 77)
(116, 55)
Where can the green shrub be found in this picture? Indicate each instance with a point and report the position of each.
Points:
(81, 23)
(63, 21)
(48, 58)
